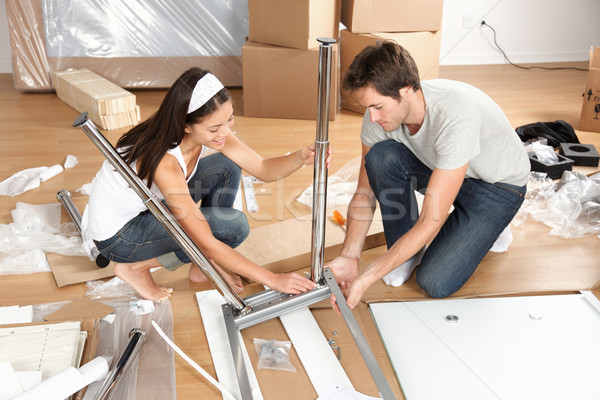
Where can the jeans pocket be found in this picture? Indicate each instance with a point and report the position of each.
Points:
(105, 246)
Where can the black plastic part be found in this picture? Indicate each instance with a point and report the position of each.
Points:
(554, 171)
(82, 119)
(102, 261)
(584, 155)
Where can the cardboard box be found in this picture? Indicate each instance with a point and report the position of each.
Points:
(293, 23)
(281, 82)
(423, 46)
(369, 16)
(590, 111)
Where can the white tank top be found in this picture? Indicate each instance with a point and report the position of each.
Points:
(113, 203)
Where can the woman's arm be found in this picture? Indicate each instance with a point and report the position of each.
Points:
(271, 169)
(170, 180)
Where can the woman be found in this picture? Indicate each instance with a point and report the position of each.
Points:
(165, 151)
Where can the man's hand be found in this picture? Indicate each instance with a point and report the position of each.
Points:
(353, 293)
(344, 269)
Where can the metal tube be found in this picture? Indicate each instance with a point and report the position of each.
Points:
(320, 170)
(275, 308)
(137, 338)
(64, 196)
(162, 214)
(359, 338)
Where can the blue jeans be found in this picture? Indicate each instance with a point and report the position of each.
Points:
(481, 212)
(215, 184)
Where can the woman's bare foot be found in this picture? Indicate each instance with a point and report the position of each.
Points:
(196, 275)
(138, 276)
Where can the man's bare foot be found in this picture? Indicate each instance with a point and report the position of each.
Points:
(196, 275)
(138, 276)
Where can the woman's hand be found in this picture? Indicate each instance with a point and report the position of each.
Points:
(291, 282)
(307, 155)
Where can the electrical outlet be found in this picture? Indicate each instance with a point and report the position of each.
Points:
(469, 19)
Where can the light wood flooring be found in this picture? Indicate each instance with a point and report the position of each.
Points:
(35, 130)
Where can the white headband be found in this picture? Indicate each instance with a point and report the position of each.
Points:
(205, 89)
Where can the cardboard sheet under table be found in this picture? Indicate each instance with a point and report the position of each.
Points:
(280, 247)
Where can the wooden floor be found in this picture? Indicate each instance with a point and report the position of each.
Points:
(35, 130)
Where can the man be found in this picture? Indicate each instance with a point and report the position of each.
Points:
(445, 139)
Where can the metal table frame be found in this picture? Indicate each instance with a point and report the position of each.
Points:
(241, 313)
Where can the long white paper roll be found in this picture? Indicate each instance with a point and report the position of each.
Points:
(51, 172)
(67, 382)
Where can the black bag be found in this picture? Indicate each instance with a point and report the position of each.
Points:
(556, 132)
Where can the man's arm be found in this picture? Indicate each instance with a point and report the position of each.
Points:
(360, 215)
(441, 191)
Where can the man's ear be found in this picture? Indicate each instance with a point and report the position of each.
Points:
(404, 91)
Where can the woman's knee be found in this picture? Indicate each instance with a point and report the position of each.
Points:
(232, 227)
(231, 169)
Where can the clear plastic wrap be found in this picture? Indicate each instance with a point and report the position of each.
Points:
(340, 186)
(135, 44)
(36, 229)
(152, 372)
(571, 207)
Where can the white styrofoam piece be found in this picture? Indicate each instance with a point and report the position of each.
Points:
(8, 381)
(321, 365)
(209, 303)
(534, 347)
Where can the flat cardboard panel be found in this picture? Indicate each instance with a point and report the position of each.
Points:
(293, 23)
(369, 16)
(68, 270)
(281, 82)
(297, 386)
(590, 111)
(277, 246)
(423, 46)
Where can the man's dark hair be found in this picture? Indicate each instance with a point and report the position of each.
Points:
(385, 66)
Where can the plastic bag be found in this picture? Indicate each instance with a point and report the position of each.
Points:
(571, 208)
(340, 186)
(274, 354)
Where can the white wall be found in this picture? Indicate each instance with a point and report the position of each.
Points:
(528, 31)
(5, 55)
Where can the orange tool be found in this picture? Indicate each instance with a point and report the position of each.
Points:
(339, 218)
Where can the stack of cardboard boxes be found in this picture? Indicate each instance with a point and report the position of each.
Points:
(281, 57)
(414, 24)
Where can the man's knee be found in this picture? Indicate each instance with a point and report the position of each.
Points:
(434, 288)
(436, 283)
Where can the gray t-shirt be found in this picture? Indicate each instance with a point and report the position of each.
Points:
(462, 124)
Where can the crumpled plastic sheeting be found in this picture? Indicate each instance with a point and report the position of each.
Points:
(115, 287)
(36, 229)
(340, 186)
(31, 178)
(571, 207)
